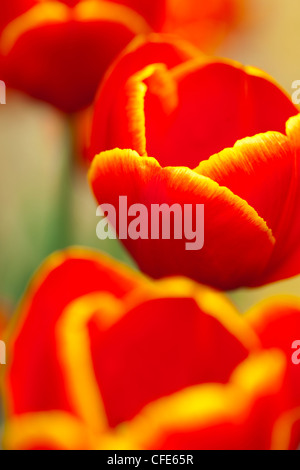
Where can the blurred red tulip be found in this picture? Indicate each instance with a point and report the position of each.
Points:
(219, 134)
(101, 357)
(59, 53)
(59, 50)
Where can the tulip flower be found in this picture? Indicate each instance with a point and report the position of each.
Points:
(58, 51)
(209, 132)
(101, 357)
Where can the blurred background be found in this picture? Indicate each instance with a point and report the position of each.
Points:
(45, 201)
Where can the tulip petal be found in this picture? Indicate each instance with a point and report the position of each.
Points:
(109, 128)
(235, 260)
(257, 169)
(219, 103)
(85, 355)
(154, 12)
(34, 343)
(132, 352)
(236, 416)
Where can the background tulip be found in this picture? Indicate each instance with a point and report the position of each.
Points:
(59, 53)
(59, 50)
(200, 378)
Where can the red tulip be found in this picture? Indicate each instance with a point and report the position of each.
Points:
(206, 132)
(59, 51)
(103, 358)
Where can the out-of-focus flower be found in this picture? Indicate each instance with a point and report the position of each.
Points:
(201, 22)
(59, 51)
(206, 132)
(103, 358)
